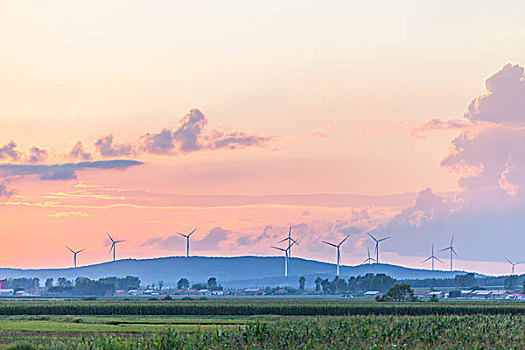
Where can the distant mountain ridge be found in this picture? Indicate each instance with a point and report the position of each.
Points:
(234, 272)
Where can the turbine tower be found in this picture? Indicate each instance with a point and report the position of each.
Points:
(286, 254)
(187, 241)
(114, 245)
(369, 259)
(75, 255)
(432, 257)
(451, 248)
(290, 240)
(377, 245)
(338, 252)
(513, 265)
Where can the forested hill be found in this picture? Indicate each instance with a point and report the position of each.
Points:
(229, 271)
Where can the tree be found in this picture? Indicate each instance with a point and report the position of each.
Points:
(199, 286)
(338, 285)
(183, 283)
(212, 283)
(130, 282)
(317, 282)
(511, 282)
(400, 292)
(302, 281)
(465, 281)
(64, 282)
(523, 289)
(86, 286)
(454, 294)
(352, 284)
(161, 284)
(382, 282)
(49, 283)
(327, 286)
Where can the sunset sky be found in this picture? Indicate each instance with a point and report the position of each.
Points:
(240, 118)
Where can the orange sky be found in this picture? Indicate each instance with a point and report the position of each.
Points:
(297, 98)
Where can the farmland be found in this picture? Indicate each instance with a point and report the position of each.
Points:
(257, 306)
(262, 323)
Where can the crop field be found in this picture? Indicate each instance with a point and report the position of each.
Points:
(453, 325)
(258, 306)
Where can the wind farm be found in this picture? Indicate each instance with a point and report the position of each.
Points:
(288, 261)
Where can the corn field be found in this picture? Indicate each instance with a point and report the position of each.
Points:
(360, 332)
(238, 307)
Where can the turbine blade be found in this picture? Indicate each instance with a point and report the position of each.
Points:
(112, 247)
(510, 262)
(438, 259)
(281, 249)
(447, 248)
(182, 234)
(344, 240)
(427, 259)
(71, 250)
(80, 251)
(111, 238)
(192, 232)
(453, 251)
(452, 240)
(368, 233)
(333, 245)
(383, 239)
(283, 240)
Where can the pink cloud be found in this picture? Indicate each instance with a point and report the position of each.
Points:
(190, 136)
(487, 213)
(418, 130)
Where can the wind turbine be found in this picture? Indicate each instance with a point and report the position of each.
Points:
(114, 245)
(369, 259)
(514, 264)
(377, 245)
(286, 252)
(338, 251)
(432, 257)
(187, 241)
(290, 241)
(75, 255)
(451, 248)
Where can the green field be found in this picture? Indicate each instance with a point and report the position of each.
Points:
(258, 306)
(273, 324)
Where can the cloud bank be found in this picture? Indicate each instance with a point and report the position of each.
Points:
(487, 215)
(62, 171)
(9, 152)
(4, 192)
(189, 136)
(78, 152)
